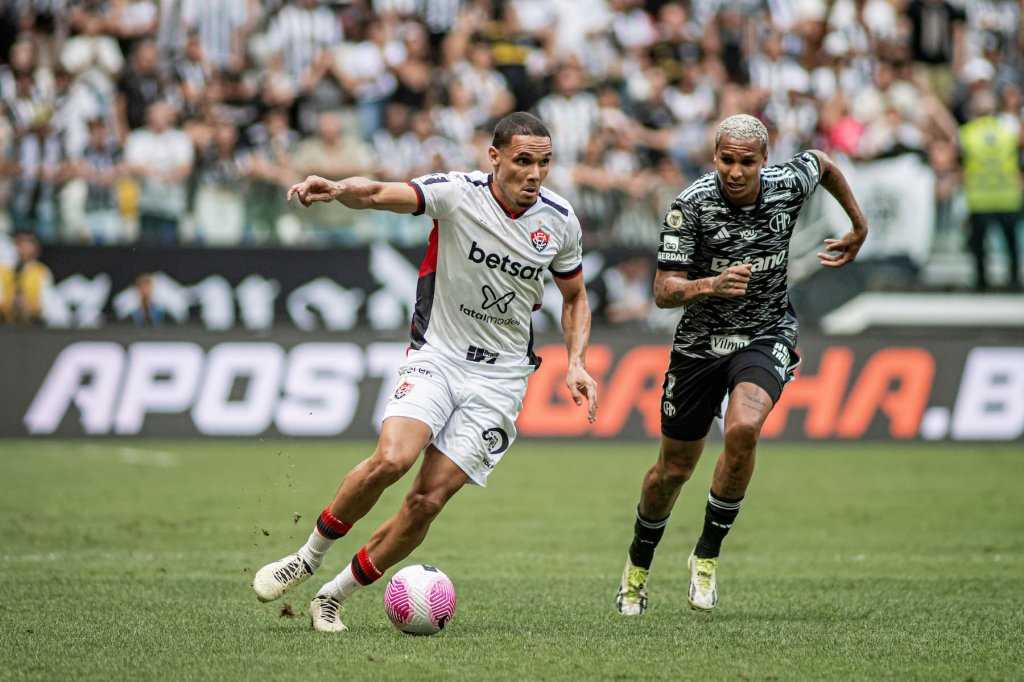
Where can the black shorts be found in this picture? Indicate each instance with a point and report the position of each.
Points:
(694, 388)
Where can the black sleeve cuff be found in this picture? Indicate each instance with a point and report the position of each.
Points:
(421, 203)
(570, 274)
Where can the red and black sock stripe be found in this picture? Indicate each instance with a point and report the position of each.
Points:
(363, 569)
(330, 526)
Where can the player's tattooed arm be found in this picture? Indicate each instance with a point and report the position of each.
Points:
(357, 192)
(576, 330)
(672, 289)
(839, 252)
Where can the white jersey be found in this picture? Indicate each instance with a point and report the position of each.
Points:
(483, 274)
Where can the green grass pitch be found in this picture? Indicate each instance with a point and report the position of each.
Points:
(132, 561)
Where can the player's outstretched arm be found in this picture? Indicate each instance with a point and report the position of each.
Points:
(576, 329)
(839, 252)
(672, 289)
(356, 192)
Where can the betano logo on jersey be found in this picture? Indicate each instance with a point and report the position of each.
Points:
(758, 264)
(504, 263)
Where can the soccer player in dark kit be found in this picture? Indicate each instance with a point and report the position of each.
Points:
(723, 256)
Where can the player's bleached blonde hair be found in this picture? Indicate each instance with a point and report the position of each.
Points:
(742, 127)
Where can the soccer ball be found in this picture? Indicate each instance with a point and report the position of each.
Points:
(419, 600)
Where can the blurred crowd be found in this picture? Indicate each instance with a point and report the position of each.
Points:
(182, 121)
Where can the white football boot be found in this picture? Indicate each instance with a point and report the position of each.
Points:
(703, 594)
(631, 599)
(277, 577)
(325, 614)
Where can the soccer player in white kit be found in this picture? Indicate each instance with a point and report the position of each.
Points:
(459, 393)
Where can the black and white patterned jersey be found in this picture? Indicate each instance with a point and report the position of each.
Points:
(703, 235)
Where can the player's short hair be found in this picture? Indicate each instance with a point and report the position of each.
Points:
(518, 123)
(742, 127)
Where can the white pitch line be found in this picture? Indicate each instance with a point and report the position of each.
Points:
(153, 458)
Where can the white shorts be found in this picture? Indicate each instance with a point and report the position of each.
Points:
(472, 417)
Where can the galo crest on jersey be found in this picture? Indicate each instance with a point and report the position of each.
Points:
(539, 238)
(403, 390)
(779, 222)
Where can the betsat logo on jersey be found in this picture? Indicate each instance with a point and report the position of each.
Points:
(504, 263)
(757, 264)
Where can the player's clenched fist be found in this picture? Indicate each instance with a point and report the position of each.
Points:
(312, 189)
(732, 283)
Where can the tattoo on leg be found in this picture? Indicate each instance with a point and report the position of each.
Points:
(659, 492)
(660, 495)
(734, 484)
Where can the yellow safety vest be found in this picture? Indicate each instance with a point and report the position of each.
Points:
(26, 285)
(992, 178)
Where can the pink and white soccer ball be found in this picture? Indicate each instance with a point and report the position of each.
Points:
(419, 600)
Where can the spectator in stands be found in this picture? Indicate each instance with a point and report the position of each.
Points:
(992, 181)
(942, 157)
(628, 287)
(413, 71)
(75, 101)
(160, 158)
(300, 31)
(336, 151)
(170, 30)
(777, 74)
(362, 68)
(131, 21)
(571, 114)
(26, 91)
(93, 54)
(221, 27)
(220, 184)
(433, 152)
(270, 169)
(516, 52)
(142, 85)
(458, 120)
(485, 85)
(23, 286)
(100, 167)
(148, 313)
(321, 90)
(937, 42)
(40, 158)
(42, 21)
(394, 145)
(193, 72)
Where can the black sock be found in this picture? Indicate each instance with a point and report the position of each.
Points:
(718, 519)
(646, 535)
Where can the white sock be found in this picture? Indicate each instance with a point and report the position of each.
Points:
(342, 586)
(315, 548)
